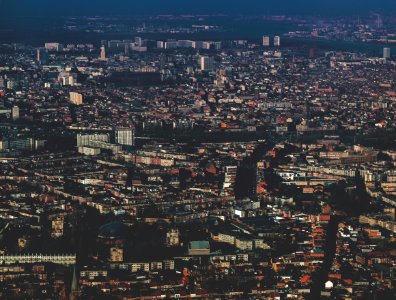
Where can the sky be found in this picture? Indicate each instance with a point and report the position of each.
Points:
(104, 7)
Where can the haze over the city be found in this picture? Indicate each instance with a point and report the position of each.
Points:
(104, 7)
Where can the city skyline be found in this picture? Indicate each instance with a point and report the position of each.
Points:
(238, 150)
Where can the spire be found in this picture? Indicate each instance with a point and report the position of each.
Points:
(74, 285)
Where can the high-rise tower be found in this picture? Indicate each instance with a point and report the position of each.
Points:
(387, 53)
(266, 41)
(102, 53)
(277, 41)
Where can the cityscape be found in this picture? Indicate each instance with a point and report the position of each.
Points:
(171, 152)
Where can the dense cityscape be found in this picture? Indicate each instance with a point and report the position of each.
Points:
(178, 157)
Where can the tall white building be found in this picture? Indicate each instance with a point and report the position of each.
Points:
(217, 45)
(102, 53)
(266, 41)
(170, 44)
(206, 45)
(277, 41)
(387, 53)
(42, 55)
(87, 139)
(138, 41)
(53, 46)
(207, 63)
(185, 44)
(68, 80)
(15, 113)
(125, 136)
(76, 98)
(160, 44)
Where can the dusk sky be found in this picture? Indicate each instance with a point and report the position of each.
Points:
(71, 7)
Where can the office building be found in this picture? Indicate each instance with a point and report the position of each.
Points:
(10, 84)
(172, 238)
(68, 80)
(185, 44)
(23, 144)
(116, 255)
(170, 45)
(53, 46)
(138, 41)
(67, 259)
(88, 139)
(207, 63)
(199, 45)
(42, 55)
(57, 227)
(217, 45)
(198, 248)
(125, 136)
(206, 45)
(76, 98)
(162, 61)
(277, 41)
(15, 113)
(266, 41)
(160, 44)
(3, 145)
(138, 48)
(102, 53)
(387, 53)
